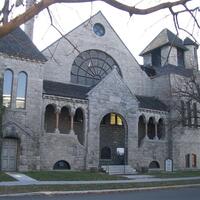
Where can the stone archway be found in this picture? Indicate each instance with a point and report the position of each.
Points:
(113, 136)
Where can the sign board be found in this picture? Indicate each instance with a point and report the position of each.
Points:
(168, 165)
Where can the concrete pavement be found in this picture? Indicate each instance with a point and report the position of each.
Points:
(25, 180)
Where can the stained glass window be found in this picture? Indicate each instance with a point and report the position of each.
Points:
(7, 87)
(91, 66)
(21, 90)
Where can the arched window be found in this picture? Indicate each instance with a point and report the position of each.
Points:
(187, 161)
(194, 160)
(154, 165)
(195, 115)
(91, 66)
(189, 114)
(115, 119)
(161, 129)
(183, 120)
(190, 160)
(61, 164)
(105, 153)
(7, 88)
(21, 90)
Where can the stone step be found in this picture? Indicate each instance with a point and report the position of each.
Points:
(118, 169)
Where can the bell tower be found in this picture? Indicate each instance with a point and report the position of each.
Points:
(29, 25)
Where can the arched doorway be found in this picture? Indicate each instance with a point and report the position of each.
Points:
(64, 120)
(151, 128)
(79, 125)
(161, 129)
(113, 136)
(50, 119)
(141, 129)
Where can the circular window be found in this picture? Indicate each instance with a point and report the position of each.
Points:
(99, 29)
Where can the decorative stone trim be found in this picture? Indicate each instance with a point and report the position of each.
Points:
(153, 111)
(22, 59)
(58, 98)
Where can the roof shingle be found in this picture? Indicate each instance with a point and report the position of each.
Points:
(18, 44)
(152, 103)
(65, 90)
(165, 37)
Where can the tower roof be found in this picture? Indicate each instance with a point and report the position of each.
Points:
(165, 37)
(188, 41)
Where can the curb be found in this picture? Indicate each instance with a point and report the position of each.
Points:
(100, 191)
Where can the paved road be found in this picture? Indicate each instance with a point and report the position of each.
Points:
(170, 194)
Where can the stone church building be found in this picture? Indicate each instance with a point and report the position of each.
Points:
(84, 101)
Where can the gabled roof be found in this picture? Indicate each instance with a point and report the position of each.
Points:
(18, 44)
(152, 103)
(165, 37)
(114, 75)
(97, 16)
(65, 90)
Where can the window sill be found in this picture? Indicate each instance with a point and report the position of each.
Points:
(15, 110)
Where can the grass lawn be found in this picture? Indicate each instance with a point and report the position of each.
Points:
(39, 188)
(5, 177)
(71, 176)
(175, 174)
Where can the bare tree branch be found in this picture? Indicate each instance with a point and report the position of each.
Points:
(43, 4)
(52, 24)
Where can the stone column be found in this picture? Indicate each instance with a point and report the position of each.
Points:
(156, 131)
(72, 113)
(57, 112)
(146, 130)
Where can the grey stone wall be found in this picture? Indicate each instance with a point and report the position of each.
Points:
(152, 150)
(41, 150)
(28, 120)
(190, 57)
(186, 141)
(55, 147)
(169, 55)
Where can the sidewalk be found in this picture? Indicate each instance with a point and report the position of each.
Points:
(25, 180)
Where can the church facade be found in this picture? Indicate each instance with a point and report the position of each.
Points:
(84, 102)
